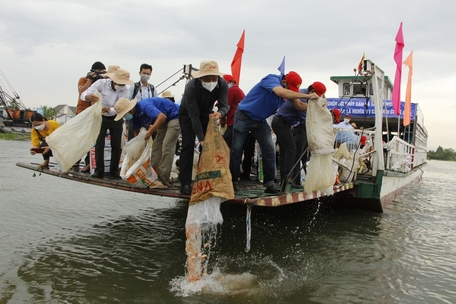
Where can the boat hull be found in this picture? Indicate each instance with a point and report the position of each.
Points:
(377, 194)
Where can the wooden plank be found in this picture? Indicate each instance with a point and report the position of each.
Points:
(251, 192)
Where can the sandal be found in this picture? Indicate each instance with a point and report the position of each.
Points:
(86, 169)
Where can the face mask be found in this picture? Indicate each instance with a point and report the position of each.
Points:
(128, 116)
(230, 86)
(40, 127)
(119, 88)
(144, 77)
(209, 85)
(346, 120)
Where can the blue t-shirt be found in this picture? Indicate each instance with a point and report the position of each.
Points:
(261, 102)
(147, 110)
(290, 115)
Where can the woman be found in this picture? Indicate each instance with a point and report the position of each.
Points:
(41, 129)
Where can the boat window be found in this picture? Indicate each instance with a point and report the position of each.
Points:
(359, 89)
(346, 88)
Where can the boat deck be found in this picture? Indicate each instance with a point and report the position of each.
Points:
(250, 191)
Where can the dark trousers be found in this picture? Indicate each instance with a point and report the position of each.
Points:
(115, 129)
(286, 144)
(300, 139)
(249, 152)
(47, 155)
(228, 135)
(188, 148)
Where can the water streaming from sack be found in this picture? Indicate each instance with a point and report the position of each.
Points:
(201, 232)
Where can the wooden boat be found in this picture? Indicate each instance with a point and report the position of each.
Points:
(392, 165)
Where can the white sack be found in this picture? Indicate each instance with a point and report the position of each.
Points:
(73, 140)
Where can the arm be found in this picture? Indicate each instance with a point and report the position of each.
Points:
(161, 118)
(84, 84)
(299, 105)
(288, 94)
(223, 98)
(88, 95)
(191, 105)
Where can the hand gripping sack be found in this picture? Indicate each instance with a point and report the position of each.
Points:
(73, 140)
(136, 168)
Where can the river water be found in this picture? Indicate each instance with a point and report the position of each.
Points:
(66, 242)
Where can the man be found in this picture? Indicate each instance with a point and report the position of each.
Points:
(155, 114)
(200, 94)
(289, 125)
(84, 83)
(142, 90)
(350, 138)
(261, 102)
(111, 90)
(235, 95)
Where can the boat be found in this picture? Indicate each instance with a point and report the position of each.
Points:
(392, 165)
(14, 116)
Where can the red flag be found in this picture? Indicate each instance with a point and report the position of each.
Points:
(237, 59)
(408, 93)
(396, 98)
(360, 65)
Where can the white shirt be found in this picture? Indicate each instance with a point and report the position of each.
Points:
(343, 125)
(143, 92)
(109, 96)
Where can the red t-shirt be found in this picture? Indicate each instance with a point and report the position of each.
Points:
(235, 95)
(82, 104)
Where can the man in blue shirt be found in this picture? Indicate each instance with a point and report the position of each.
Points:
(261, 102)
(155, 114)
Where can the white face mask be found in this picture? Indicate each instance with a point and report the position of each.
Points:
(40, 127)
(145, 77)
(210, 86)
(119, 88)
(346, 120)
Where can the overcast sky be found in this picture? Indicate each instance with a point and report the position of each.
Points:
(46, 46)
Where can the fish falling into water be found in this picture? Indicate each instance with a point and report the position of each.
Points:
(212, 186)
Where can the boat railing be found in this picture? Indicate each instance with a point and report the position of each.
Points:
(401, 156)
(360, 146)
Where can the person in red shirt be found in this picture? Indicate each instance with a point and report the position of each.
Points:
(95, 73)
(235, 95)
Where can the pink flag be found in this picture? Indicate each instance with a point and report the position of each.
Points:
(237, 60)
(408, 93)
(397, 78)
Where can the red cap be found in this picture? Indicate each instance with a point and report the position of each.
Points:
(319, 88)
(229, 78)
(337, 114)
(294, 81)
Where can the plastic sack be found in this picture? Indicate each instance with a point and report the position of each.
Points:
(321, 143)
(213, 176)
(74, 139)
(136, 168)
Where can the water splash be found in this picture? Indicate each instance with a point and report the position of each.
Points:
(312, 221)
(201, 233)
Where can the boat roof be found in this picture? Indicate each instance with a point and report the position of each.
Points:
(337, 79)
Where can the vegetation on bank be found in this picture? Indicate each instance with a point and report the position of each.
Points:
(442, 154)
(14, 136)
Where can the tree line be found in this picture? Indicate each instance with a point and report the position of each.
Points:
(442, 154)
